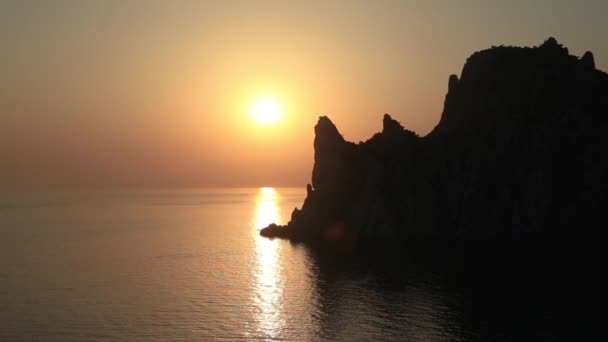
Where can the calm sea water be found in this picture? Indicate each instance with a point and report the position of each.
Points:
(191, 266)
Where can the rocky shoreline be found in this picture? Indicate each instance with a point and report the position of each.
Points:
(519, 153)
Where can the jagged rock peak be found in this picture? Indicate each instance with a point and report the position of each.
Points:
(327, 131)
(552, 47)
(548, 55)
(452, 83)
(309, 189)
(390, 125)
(588, 60)
(550, 43)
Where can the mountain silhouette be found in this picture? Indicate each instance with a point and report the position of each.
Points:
(519, 153)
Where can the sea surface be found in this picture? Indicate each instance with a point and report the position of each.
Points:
(189, 265)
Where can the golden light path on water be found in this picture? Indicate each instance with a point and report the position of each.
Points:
(268, 297)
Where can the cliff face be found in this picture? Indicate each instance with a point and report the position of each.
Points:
(519, 152)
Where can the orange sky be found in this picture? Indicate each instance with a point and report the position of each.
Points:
(157, 93)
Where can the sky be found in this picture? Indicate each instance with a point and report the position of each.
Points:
(156, 94)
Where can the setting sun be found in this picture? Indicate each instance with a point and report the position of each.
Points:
(266, 111)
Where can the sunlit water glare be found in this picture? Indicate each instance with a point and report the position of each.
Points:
(268, 296)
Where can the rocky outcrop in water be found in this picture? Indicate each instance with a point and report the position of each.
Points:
(519, 153)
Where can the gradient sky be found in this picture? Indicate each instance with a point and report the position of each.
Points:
(156, 93)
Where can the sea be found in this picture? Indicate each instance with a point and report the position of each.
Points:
(190, 265)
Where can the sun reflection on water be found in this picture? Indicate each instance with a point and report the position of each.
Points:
(268, 294)
(267, 210)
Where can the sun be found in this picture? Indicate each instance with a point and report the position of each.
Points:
(266, 111)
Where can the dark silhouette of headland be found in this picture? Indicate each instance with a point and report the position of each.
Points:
(519, 153)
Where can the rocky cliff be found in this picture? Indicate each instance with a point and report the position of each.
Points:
(519, 152)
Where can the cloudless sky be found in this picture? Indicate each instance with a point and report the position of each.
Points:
(157, 93)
